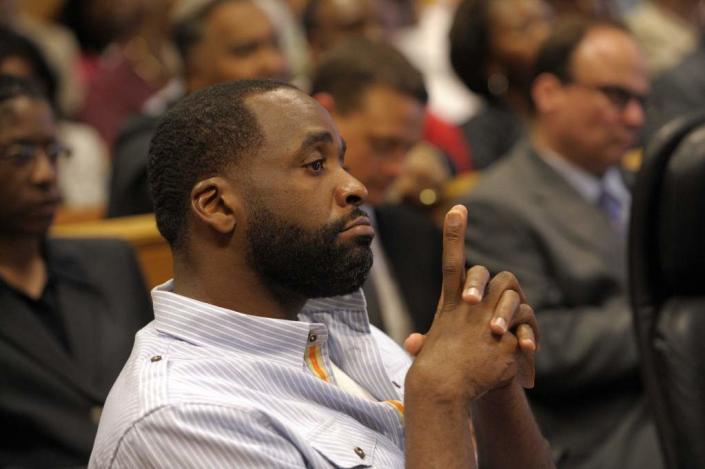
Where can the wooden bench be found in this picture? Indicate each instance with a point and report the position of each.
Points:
(140, 231)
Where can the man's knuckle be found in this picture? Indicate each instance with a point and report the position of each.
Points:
(454, 235)
(451, 267)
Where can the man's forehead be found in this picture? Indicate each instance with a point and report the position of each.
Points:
(14, 112)
(284, 107)
(606, 51)
(237, 18)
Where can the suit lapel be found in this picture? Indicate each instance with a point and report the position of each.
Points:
(82, 306)
(576, 218)
(19, 326)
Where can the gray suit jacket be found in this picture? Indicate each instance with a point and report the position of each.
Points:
(525, 218)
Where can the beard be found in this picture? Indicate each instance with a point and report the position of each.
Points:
(313, 264)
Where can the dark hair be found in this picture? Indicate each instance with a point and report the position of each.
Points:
(12, 87)
(204, 133)
(470, 45)
(188, 31)
(555, 55)
(13, 44)
(348, 70)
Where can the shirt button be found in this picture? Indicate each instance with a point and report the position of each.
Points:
(155, 358)
(360, 452)
(312, 337)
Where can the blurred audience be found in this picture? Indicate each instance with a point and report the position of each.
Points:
(666, 30)
(218, 40)
(138, 62)
(377, 100)
(426, 43)
(554, 212)
(493, 46)
(70, 308)
(58, 45)
(83, 176)
(327, 22)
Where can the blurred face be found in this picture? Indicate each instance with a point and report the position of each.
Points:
(238, 42)
(517, 29)
(305, 231)
(379, 134)
(28, 153)
(340, 19)
(600, 112)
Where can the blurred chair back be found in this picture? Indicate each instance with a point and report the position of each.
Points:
(141, 231)
(667, 286)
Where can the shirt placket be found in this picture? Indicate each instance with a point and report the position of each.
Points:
(316, 355)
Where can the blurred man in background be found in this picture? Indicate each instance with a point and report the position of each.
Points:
(218, 40)
(555, 212)
(377, 99)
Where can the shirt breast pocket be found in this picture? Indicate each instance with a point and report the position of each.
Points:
(345, 445)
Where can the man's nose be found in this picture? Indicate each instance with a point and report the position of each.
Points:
(634, 113)
(393, 164)
(273, 63)
(350, 192)
(44, 168)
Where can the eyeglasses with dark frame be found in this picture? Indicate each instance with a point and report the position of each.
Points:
(25, 154)
(619, 96)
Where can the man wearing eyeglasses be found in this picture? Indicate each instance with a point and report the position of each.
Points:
(68, 308)
(555, 213)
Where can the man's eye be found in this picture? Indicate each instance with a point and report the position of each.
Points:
(317, 166)
(21, 154)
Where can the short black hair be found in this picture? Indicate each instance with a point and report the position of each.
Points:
(555, 55)
(12, 87)
(202, 135)
(349, 69)
(188, 31)
(15, 45)
(469, 39)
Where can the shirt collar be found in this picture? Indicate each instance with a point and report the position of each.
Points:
(280, 340)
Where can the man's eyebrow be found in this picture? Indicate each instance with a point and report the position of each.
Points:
(322, 137)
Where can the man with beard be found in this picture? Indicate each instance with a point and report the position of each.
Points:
(69, 309)
(264, 224)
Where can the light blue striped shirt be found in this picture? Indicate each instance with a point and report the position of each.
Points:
(209, 387)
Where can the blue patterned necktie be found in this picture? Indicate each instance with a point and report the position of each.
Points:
(612, 207)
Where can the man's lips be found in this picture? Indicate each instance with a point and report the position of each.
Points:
(359, 226)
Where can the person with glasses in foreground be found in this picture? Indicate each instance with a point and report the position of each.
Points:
(69, 309)
(555, 213)
(261, 353)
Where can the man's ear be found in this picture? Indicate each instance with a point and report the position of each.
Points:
(215, 203)
(547, 92)
(327, 101)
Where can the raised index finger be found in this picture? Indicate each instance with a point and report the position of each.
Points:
(454, 254)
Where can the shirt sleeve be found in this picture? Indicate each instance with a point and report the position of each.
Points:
(205, 436)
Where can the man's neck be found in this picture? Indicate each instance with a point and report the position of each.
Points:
(22, 264)
(234, 287)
